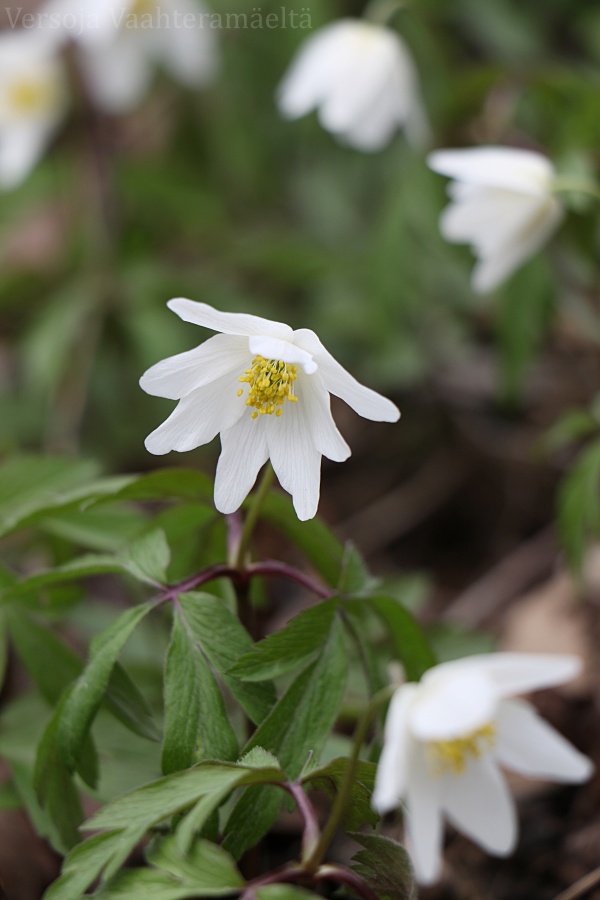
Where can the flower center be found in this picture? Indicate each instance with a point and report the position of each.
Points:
(271, 381)
(452, 756)
(30, 95)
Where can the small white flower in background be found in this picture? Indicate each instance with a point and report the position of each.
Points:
(266, 389)
(361, 78)
(122, 41)
(501, 204)
(446, 737)
(33, 101)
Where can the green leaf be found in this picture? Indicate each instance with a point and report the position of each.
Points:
(354, 574)
(206, 866)
(128, 705)
(83, 865)
(358, 810)
(385, 866)
(193, 704)
(579, 505)
(154, 802)
(88, 692)
(312, 537)
(31, 485)
(223, 640)
(165, 484)
(49, 661)
(54, 785)
(299, 724)
(408, 639)
(148, 557)
(289, 648)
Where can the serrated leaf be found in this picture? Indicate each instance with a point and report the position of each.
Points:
(297, 643)
(312, 537)
(81, 567)
(299, 724)
(152, 803)
(407, 637)
(223, 640)
(193, 706)
(84, 864)
(206, 867)
(385, 866)
(358, 809)
(148, 557)
(354, 574)
(88, 691)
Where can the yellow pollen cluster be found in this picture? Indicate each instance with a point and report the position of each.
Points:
(451, 756)
(29, 95)
(271, 382)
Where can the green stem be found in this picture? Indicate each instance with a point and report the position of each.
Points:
(253, 513)
(313, 861)
(581, 187)
(381, 12)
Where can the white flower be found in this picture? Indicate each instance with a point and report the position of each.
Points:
(501, 203)
(121, 42)
(266, 389)
(33, 100)
(446, 737)
(361, 78)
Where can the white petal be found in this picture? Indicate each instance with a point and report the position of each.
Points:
(423, 816)
(338, 381)
(227, 323)
(452, 703)
(190, 54)
(20, 149)
(178, 375)
(519, 673)
(117, 73)
(529, 745)
(275, 348)
(305, 83)
(244, 452)
(366, 55)
(392, 770)
(501, 167)
(326, 437)
(488, 218)
(489, 273)
(478, 802)
(296, 462)
(199, 416)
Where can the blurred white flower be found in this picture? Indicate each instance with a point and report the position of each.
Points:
(501, 203)
(361, 78)
(121, 42)
(33, 100)
(266, 389)
(446, 737)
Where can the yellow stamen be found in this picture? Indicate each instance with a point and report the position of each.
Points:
(30, 95)
(452, 756)
(271, 382)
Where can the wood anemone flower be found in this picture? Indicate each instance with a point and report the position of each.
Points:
(265, 389)
(361, 78)
(446, 739)
(501, 203)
